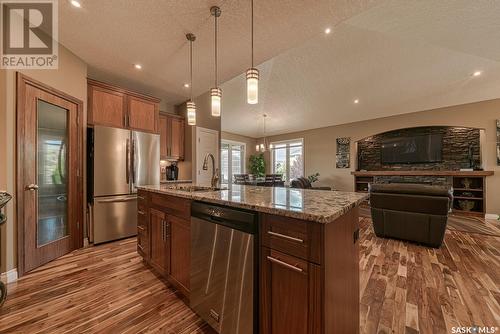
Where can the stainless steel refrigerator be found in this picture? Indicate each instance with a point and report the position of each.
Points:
(121, 160)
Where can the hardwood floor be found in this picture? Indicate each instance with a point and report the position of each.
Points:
(405, 288)
(102, 289)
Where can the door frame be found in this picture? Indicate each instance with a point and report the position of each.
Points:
(21, 81)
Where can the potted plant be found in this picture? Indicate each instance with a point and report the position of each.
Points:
(313, 178)
(257, 165)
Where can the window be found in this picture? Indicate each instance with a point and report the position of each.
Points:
(288, 159)
(232, 160)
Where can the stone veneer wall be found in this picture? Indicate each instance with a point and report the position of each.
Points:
(456, 141)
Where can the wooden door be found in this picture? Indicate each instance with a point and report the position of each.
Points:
(142, 114)
(289, 287)
(177, 138)
(49, 170)
(163, 136)
(160, 246)
(106, 107)
(180, 257)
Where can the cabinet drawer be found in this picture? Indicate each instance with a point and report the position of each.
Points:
(175, 206)
(142, 198)
(292, 236)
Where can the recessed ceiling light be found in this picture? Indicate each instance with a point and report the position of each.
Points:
(328, 30)
(356, 101)
(138, 66)
(76, 3)
(477, 73)
(186, 85)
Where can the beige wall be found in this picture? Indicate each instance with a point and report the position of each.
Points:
(248, 141)
(204, 119)
(319, 144)
(71, 78)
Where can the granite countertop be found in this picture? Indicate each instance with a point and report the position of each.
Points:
(175, 181)
(313, 205)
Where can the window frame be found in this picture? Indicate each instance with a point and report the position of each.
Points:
(230, 158)
(287, 155)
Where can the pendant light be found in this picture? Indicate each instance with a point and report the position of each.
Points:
(216, 92)
(252, 78)
(264, 147)
(190, 105)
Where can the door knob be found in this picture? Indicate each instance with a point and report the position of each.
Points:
(32, 187)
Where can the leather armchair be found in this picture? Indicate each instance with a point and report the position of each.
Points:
(412, 212)
(304, 183)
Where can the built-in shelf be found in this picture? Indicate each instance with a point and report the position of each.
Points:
(462, 182)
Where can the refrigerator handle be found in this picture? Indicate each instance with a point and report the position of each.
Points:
(133, 161)
(127, 162)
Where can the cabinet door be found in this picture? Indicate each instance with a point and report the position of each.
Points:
(107, 107)
(142, 114)
(180, 236)
(177, 138)
(290, 294)
(163, 136)
(160, 247)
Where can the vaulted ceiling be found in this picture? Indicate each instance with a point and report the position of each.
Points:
(112, 35)
(395, 56)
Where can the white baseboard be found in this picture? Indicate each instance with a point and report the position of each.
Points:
(491, 216)
(9, 276)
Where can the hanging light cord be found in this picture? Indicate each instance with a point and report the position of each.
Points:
(252, 33)
(191, 69)
(216, 61)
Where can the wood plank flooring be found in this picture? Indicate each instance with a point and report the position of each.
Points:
(405, 288)
(102, 289)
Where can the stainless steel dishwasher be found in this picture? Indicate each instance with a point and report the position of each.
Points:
(224, 288)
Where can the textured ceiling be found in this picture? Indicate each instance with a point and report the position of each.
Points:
(112, 35)
(397, 57)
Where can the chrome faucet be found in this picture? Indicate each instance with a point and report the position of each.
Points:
(215, 171)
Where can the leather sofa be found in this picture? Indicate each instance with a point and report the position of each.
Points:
(413, 212)
(304, 183)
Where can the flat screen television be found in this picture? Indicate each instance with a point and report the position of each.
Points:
(412, 150)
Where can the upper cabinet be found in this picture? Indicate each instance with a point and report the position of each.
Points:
(171, 136)
(117, 107)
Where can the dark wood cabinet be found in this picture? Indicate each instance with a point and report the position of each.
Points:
(180, 242)
(290, 294)
(309, 276)
(163, 136)
(171, 136)
(117, 107)
(167, 245)
(160, 242)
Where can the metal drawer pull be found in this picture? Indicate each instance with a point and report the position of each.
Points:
(284, 264)
(284, 236)
(140, 227)
(141, 212)
(141, 198)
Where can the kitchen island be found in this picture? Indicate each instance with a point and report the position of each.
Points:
(307, 271)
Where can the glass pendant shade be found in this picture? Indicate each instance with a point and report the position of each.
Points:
(252, 86)
(191, 112)
(216, 95)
